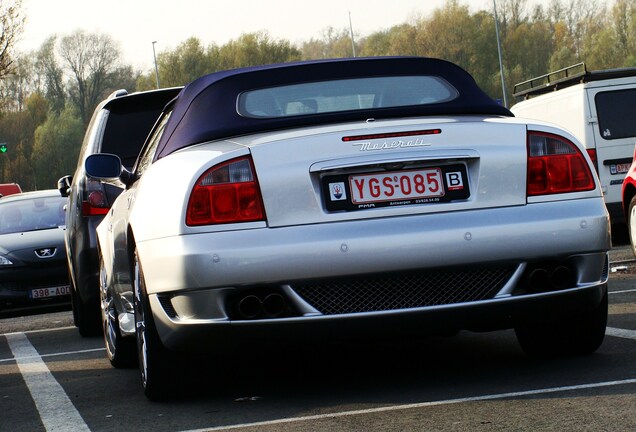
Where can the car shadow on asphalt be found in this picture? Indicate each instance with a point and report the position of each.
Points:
(395, 371)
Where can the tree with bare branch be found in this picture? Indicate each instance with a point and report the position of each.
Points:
(11, 27)
(92, 60)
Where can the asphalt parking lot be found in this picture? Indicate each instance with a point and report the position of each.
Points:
(52, 379)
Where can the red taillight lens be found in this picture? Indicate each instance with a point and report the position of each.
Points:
(592, 154)
(555, 165)
(226, 193)
(95, 203)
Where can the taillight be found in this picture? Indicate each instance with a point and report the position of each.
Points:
(95, 202)
(592, 154)
(226, 193)
(555, 165)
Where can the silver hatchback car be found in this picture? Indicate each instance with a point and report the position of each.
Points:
(354, 197)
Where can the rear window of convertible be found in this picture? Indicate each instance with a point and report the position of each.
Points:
(345, 95)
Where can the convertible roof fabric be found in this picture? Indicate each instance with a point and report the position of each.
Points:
(206, 109)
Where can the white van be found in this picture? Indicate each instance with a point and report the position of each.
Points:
(597, 107)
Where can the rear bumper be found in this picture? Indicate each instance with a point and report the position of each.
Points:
(280, 255)
(84, 263)
(198, 273)
(208, 336)
(86, 270)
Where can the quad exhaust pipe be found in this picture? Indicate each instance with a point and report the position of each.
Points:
(250, 307)
(560, 277)
(272, 305)
(544, 279)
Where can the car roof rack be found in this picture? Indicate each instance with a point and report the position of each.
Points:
(566, 77)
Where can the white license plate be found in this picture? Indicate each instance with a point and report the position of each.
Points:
(50, 292)
(398, 185)
(620, 168)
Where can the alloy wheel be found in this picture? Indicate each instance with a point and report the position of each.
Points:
(140, 324)
(109, 317)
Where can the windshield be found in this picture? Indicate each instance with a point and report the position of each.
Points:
(31, 214)
(126, 132)
(345, 95)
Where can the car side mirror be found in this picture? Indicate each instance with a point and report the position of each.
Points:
(64, 185)
(104, 166)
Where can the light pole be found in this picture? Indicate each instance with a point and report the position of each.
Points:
(353, 43)
(501, 68)
(155, 57)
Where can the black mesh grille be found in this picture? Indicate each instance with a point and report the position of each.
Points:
(166, 303)
(404, 290)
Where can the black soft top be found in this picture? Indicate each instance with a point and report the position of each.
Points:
(206, 109)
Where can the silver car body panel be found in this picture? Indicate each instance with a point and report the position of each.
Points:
(264, 255)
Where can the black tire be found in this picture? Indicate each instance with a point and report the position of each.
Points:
(86, 315)
(573, 335)
(121, 351)
(157, 365)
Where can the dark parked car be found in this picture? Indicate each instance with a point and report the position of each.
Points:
(119, 125)
(32, 260)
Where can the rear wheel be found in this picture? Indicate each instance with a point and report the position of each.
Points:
(157, 364)
(572, 335)
(121, 351)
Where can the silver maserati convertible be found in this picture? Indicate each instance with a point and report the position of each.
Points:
(352, 197)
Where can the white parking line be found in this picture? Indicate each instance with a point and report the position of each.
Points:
(623, 333)
(45, 330)
(622, 291)
(57, 412)
(57, 354)
(418, 405)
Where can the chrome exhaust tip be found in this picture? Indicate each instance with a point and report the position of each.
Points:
(249, 307)
(274, 305)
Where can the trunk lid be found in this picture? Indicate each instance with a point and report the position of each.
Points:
(389, 168)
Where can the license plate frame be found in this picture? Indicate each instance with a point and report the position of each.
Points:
(620, 168)
(49, 292)
(340, 190)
